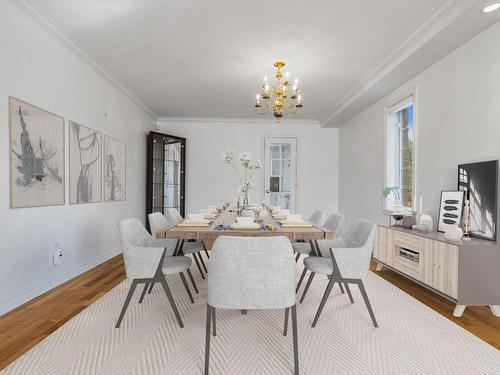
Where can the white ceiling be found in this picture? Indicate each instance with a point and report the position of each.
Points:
(201, 58)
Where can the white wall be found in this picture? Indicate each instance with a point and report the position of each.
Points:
(458, 120)
(38, 68)
(210, 181)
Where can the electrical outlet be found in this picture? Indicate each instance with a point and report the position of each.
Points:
(57, 254)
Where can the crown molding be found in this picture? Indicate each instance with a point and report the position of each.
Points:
(226, 120)
(42, 19)
(425, 31)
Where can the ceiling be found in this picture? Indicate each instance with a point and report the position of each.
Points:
(206, 59)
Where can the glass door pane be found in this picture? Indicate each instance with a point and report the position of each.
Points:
(172, 178)
(280, 172)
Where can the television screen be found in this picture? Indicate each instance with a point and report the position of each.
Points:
(479, 181)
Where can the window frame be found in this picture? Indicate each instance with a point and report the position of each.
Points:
(388, 111)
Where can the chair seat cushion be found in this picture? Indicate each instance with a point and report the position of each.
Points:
(302, 247)
(192, 247)
(175, 264)
(319, 265)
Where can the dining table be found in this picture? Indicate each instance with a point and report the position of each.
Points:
(269, 225)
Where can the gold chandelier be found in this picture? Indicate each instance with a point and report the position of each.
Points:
(281, 97)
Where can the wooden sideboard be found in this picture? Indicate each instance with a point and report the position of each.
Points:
(465, 272)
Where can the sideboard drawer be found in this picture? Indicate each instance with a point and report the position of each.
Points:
(408, 240)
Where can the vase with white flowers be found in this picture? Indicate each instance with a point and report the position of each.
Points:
(245, 178)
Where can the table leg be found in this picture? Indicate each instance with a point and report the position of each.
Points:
(495, 309)
(459, 310)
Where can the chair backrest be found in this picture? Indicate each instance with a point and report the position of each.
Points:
(173, 216)
(335, 222)
(317, 217)
(157, 223)
(133, 235)
(359, 233)
(251, 273)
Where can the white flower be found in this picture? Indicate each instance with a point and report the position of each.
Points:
(246, 187)
(257, 164)
(228, 156)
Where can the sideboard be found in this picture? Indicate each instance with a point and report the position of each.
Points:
(465, 272)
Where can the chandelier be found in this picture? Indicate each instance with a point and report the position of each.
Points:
(281, 97)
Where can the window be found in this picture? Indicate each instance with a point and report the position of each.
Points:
(400, 154)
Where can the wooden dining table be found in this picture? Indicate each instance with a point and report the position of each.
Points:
(208, 234)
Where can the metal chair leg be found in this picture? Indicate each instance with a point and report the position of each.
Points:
(146, 286)
(164, 284)
(367, 302)
(323, 301)
(311, 277)
(202, 262)
(206, 252)
(348, 292)
(341, 288)
(207, 338)
(297, 257)
(285, 329)
(300, 280)
(186, 286)
(127, 301)
(295, 340)
(214, 322)
(192, 281)
(198, 265)
(151, 288)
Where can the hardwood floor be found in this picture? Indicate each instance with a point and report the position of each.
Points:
(27, 325)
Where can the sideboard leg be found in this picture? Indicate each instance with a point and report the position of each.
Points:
(459, 310)
(495, 309)
(379, 267)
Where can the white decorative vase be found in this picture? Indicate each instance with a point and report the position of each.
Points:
(453, 234)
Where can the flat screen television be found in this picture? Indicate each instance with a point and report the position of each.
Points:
(480, 183)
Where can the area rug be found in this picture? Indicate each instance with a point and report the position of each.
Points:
(411, 338)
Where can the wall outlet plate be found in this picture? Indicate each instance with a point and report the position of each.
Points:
(57, 255)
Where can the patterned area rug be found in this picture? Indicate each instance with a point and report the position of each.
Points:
(411, 338)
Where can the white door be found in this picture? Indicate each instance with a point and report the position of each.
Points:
(280, 187)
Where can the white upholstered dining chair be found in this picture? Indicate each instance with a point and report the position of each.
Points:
(250, 273)
(346, 265)
(149, 260)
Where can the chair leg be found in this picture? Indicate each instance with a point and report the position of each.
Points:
(164, 284)
(192, 281)
(285, 329)
(202, 262)
(151, 288)
(311, 277)
(341, 288)
(206, 252)
(300, 280)
(214, 322)
(146, 286)
(295, 340)
(127, 301)
(198, 265)
(367, 302)
(297, 257)
(207, 338)
(186, 286)
(349, 292)
(323, 301)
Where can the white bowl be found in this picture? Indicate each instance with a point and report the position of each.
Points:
(293, 218)
(196, 218)
(244, 219)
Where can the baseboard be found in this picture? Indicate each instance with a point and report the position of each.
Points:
(35, 292)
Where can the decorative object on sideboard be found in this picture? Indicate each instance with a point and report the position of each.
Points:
(480, 183)
(409, 222)
(453, 234)
(36, 153)
(394, 190)
(465, 220)
(450, 209)
(426, 224)
(115, 159)
(85, 164)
